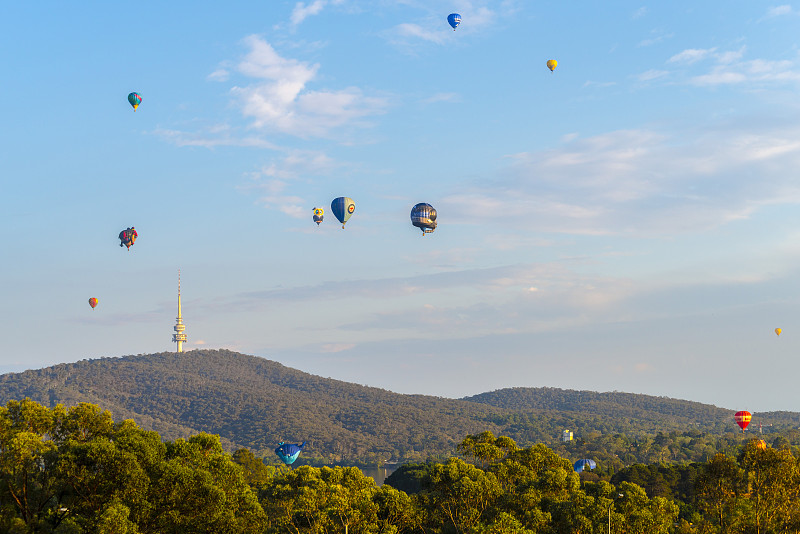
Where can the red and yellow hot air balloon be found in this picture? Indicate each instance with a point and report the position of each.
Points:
(742, 419)
(93, 302)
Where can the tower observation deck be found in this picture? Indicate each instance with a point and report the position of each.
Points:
(179, 337)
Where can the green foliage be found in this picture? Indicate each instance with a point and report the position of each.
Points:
(254, 403)
(75, 470)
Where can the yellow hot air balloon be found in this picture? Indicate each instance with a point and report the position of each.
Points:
(552, 64)
(778, 331)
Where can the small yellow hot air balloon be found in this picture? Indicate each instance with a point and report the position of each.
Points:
(778, 331)
(552, 64)
(93, 302)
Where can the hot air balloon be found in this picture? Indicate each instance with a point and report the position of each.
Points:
(319, 214)
(580, 465)
(778, 331)
(343, 208)
(552, 64)
(135, 100)
(454, 19)
(423, 216)
(742, 419)
(128, 237)
(288, 452)
(93, 302)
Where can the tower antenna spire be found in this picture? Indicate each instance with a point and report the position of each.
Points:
(179, 336)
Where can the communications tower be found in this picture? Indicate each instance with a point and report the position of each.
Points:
(179, 337)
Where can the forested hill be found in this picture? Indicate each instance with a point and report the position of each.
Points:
(255, 403)
(614, 405)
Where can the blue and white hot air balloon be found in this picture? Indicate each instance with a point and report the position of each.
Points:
(343, 208)
(454, 19)
(580, 465)
(288, 452)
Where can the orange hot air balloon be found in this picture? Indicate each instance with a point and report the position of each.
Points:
(778, 331)
(743, 419)
(93, 302)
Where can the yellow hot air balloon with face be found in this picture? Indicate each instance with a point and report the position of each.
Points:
(552, 64)
(778, 331)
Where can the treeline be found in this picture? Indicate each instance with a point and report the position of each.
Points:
(77, 471)
(255, 403)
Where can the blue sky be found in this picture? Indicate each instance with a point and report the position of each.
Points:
(628, 222)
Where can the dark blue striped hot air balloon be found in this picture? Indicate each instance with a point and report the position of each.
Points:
(288, 452)
(423, 216)
(343, 208)
(454, 19)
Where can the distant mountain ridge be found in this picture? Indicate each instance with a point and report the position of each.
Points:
(254, 402)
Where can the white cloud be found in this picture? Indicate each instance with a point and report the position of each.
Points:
(281, 101)
(691, 55)
(219, 75)
(651, 74)
(302, 10)
(408, 29)
(641, 12)
(777, 11)
(639, 182)
(442, 97)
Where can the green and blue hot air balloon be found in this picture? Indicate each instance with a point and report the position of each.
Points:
(343, 208)
(288, 452)
(135, 100)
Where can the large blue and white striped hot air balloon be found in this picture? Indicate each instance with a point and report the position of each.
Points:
(343, 208)
(454, 19)
(288, 452)
(423, 216)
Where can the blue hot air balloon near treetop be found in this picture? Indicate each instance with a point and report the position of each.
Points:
(580, 465)
(343, 208)
(288, 452)
(454, 19)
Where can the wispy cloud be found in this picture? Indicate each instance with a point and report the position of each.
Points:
(778, 11)
(272, 181)
(657, 37)
(281, 101)
(651, 74)
(639, 182)
(639, 13)
(442, 97)
(691, 55)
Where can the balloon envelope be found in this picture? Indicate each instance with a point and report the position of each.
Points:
(778, 331)
(423, 216)
(454, 19)
(580, 465)
(135, 100)
(288, 452)
(319, 214)
(742, 419)
(552, 64)
(93, 302)
(343, 208)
